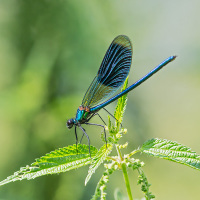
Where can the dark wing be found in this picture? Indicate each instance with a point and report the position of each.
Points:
(112, 73)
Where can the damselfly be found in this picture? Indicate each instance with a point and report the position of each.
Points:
(112, 73)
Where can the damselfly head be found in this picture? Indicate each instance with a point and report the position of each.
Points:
(70, 123)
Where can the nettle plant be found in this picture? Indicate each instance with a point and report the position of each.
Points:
(76, 156)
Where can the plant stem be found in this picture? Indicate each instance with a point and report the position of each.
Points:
(124, 170)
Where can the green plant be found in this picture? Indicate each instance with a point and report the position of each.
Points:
(67, 158)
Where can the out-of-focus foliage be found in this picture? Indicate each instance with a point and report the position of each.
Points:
(50, 51)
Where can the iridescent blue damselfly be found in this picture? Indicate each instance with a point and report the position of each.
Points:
(112, 73)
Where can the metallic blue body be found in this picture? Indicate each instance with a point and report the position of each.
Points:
(82, 115)
(79, 115)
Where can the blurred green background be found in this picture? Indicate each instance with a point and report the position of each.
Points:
(50, 52)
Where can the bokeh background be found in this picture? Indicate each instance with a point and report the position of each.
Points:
(49, 53)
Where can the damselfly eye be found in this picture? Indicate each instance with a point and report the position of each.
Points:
(70, 123)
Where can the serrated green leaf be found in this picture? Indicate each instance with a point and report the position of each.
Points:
(98, 159)
(121, 104)
(173, 151)
(61, 160)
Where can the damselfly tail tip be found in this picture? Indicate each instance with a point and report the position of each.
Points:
(173, 57)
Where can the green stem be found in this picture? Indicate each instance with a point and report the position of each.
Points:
(124, 170)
